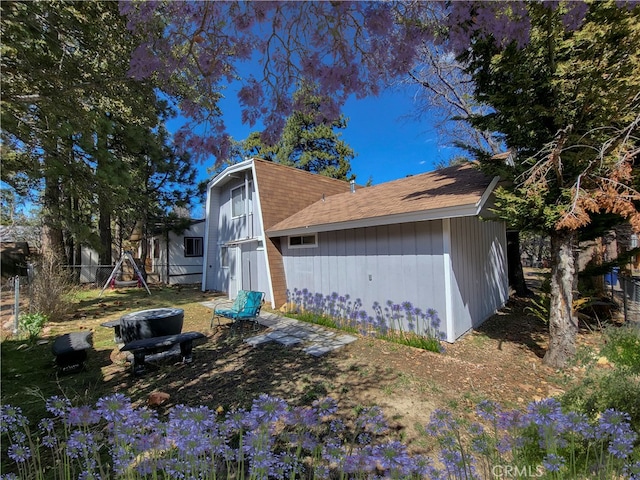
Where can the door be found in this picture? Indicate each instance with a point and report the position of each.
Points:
(235, 270)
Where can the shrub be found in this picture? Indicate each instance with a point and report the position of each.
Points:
(50, 289)
(616, 385)
(31, 324)
(622, 347)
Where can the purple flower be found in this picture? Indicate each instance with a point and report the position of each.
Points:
(357, 462)
(333, 451)
(371, 420)
(578, 423)
(114, 407)
(613, 423)
(9, 476)
(632, 471)
(547, 412)
(441, 422)
(80, 443)
(510, 419)
(553, 462)
(321, 472)
(202, 416)
(83, 415)
(325, 406)
(192, 444)
(267, 409)
(622, 445)
(18, 452)
(302, 417)
(58, 406)
(234, 420)
(11, 418)
(393, 456)
(488, 410)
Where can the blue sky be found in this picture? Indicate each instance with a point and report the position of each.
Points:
(389, 145)
(389, 142)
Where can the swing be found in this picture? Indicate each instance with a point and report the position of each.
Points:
(111, 281)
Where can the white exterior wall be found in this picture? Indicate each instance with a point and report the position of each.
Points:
(89, 261)
(408, 263)
(243, 236)
(480, 284)
(400, 263)
(171, 265)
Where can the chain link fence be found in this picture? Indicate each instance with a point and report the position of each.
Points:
(625, 292)
(97, 275)
(94, 275)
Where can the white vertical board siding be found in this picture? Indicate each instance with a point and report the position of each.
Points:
(376, 264)
(182, 269)
(231, 228)
(479, 280)
(224, 228)
(263, 273)
(212, 254)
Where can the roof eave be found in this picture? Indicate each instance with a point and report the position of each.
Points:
(224, 176)
(422, 216)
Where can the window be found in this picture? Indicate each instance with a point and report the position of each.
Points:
(192, 246)
(303, 241)
(239, 199)
(237, 202)
(224, 257)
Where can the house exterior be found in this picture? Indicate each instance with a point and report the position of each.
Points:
(420, 239)
(242, 202)
(177, 258)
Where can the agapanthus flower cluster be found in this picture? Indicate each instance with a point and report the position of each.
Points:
(401, 322)
(272, 440)
(544, 439)
(114, 439)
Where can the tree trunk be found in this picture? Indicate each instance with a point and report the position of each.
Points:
(563, 325)
(105, 207)
(52, 237)
(514, 260)
(104, 227)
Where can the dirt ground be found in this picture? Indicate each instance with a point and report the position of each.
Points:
(501, 361)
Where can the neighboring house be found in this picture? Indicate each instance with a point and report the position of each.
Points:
(17, 244)
(178, 258)
(419, 239)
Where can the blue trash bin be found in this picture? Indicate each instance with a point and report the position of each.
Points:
(611, 278)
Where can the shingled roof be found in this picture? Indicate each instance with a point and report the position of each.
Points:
(448, 192)
(285, 190)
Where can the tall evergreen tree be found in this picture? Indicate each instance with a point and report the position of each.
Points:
(568, 105)
(66, 100)
(309, 140)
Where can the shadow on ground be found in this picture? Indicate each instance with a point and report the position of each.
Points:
(230, 373)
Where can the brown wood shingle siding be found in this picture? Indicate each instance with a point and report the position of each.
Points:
(284, 191)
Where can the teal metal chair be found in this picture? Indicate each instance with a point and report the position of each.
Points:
(246, 307)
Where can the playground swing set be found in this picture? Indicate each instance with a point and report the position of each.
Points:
(113, 282)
